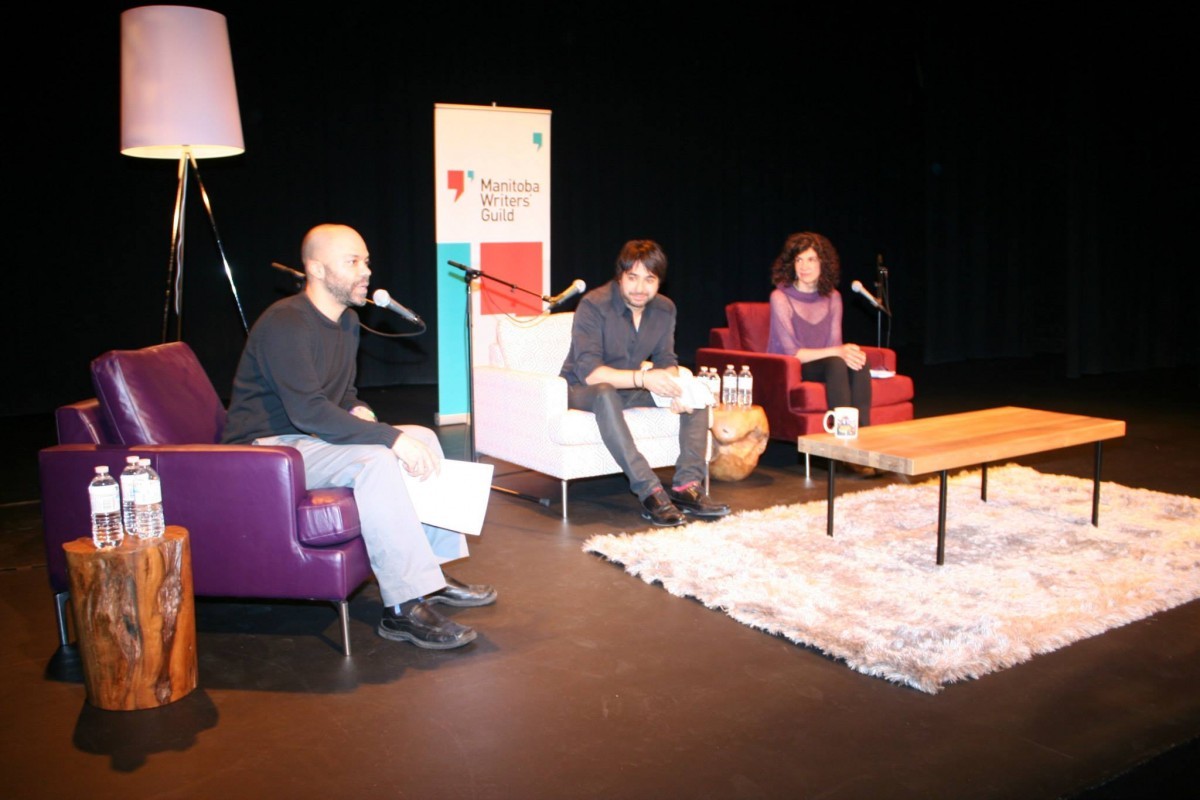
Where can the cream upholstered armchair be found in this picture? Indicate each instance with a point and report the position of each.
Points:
(521, 413)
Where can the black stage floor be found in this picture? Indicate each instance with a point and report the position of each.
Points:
(588, 683)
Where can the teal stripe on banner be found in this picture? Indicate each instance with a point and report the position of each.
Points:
(453, 389)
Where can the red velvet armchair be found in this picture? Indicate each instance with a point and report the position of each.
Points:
(795, 407)
(255, 530)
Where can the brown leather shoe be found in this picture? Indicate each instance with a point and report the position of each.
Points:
(661, 511)
(696, 503)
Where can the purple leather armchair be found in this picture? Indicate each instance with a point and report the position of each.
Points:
(255, 530)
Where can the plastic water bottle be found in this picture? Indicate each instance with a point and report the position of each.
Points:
(745, 384)
(105, 497)
(729, 391)
(147, 503)
(713, 382)
(130, 475)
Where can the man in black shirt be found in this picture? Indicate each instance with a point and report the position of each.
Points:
(294, 386)
(617, 328)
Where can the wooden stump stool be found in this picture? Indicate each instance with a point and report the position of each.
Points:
(740, 436)
(135, 619)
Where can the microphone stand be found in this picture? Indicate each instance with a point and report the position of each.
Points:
(881, 291)
(471, 274)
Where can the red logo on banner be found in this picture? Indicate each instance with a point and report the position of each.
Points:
(454, 180)
(518, 263)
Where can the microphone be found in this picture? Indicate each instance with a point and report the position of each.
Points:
(858, 287)
(463, 267)
(382, 299)
(576, 287)
(297, 274)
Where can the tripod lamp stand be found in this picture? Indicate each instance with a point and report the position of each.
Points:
(179, 101)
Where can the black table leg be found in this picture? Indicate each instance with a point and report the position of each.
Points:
(829, 504)
(983, 482)
(1096, 486)
(941, 546)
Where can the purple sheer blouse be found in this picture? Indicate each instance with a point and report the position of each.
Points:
(804, 320)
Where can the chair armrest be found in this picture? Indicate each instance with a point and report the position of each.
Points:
(81, 423)
(220, 493)
(769, 369)
(529, 394)
(720, 339)
(880, 357)
(515, 406)
(773, 375)
(775, 367)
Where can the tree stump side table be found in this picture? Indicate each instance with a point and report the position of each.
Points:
(135, 619)
(739, 437)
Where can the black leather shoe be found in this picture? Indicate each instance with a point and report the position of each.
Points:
(424, 627)
(661, 511)
(457, 593)
(692, 501)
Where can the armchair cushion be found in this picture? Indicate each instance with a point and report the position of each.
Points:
(82, 423)
(752, 323)
(157, 395)
(539, 344)
(327, 516)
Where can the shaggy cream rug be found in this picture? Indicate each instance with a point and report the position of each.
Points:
(1025, 573)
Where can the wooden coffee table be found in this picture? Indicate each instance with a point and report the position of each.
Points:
(953, 441)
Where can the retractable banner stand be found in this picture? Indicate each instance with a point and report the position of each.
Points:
(492, 190)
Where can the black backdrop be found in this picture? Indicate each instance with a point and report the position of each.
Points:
(1026, 175)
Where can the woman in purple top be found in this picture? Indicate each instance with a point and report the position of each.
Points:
(806, 322)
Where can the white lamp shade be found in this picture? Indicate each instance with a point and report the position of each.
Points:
(177, 90)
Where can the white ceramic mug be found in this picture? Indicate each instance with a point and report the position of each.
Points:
(842, 422)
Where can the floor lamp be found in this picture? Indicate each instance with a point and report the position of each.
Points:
(179, 101)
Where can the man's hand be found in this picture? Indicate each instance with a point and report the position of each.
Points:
(661, 382)
(418, 460)
(680, 408)
(362, 412)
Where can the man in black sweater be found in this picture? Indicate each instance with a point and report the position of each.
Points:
(294, 386)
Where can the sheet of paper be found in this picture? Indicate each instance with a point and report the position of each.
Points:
(456, 499)
(695, 393)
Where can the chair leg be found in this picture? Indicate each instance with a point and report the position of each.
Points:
(60, 611)
(807, 471)
(343, 607)
(564, 498)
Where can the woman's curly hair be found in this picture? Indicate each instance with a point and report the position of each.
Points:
(783, 271)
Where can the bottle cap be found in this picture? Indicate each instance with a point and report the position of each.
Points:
(101, 470)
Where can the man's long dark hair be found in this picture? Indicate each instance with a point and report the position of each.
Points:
(646, 251)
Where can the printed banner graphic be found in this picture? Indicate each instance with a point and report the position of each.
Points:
(492, 190)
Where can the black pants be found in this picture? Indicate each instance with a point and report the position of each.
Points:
(843, 386)
(609, 404)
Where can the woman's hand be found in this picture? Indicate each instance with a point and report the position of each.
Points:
(853, 355)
